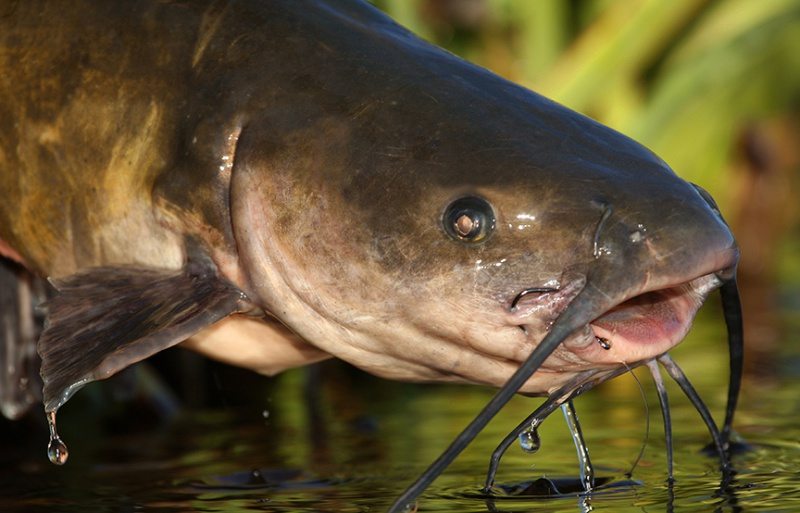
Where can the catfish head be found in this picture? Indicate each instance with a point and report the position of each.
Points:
(426, 220)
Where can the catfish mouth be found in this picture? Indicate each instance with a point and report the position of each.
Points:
(639, 328)
(653, 322)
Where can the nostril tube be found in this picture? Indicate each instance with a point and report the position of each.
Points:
(726, 275)
(732, 311)
(607, 211)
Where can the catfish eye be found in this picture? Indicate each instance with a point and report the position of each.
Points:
(469, 219)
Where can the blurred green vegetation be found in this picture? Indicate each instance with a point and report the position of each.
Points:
(713, 87)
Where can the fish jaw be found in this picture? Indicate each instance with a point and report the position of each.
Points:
(633, 331)
(648, 309)
(650, 324)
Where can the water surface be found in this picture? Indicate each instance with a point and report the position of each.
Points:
(348, 442)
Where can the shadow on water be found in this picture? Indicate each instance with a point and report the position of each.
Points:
(338, 440)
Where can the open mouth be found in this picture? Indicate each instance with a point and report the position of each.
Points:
(637, 329)
(651, 323)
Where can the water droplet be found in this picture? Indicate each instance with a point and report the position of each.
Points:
(529, 440)
(265, 414)
(56, 449)
(256, 478)
(604, 343)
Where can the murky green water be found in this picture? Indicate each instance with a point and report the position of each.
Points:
(365, 439)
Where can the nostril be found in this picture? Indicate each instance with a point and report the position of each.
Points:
(607, 211)
(638, 235)
(727, 274)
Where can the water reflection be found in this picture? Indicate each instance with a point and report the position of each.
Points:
(338, 440)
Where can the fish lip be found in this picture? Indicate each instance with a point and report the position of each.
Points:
(683, 296)
(647, 324)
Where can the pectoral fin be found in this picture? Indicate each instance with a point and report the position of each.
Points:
(105, 319)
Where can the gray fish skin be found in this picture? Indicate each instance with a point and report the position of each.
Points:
(312, 149)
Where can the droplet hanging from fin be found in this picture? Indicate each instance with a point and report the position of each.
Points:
(56, 449)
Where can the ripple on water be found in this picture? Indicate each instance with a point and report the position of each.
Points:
(236, 460)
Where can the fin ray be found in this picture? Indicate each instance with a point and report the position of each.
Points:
(106, 319)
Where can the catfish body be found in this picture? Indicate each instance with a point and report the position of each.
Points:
(115, 146)
(387, 202)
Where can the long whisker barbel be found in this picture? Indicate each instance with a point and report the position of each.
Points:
(732, 310)
(581, 383)
(582, 309)
(586, 468)
(677, 374)
(566, 392)
(663, 400)
(639, 456)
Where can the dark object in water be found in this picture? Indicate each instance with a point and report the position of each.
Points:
(555, 487)
(275, 183)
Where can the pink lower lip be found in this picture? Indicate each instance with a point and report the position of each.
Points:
(639, 328)
(648, 325)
